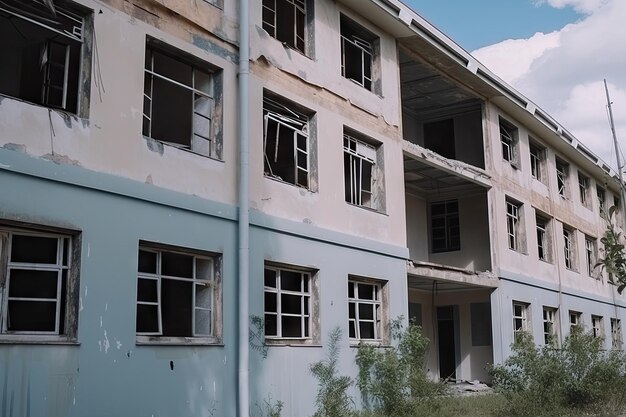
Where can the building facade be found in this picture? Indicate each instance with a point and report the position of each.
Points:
(391, 176)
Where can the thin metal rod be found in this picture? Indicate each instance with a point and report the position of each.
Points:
(617, 153)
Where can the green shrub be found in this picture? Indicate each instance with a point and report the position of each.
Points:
(546, 381)
(332, 395)
(393, 379)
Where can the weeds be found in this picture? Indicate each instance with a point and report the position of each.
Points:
(332, 395)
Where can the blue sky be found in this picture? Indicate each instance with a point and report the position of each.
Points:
(477, 23)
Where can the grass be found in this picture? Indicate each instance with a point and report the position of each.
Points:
(468, 406)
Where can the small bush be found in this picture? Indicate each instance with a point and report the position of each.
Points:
(547, 381)
(332, 395)
(393, 379)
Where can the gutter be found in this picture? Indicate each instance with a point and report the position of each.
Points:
(243, 384)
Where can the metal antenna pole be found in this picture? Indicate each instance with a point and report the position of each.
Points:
(617, 153)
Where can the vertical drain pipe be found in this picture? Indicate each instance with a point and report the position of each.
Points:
(244, 212)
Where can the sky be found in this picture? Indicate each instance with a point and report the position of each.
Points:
(555, 52)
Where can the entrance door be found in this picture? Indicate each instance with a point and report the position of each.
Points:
(447, 342)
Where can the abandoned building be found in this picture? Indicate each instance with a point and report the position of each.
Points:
(173, 181)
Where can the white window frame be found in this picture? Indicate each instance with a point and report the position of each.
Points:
(601, 195)
(549, 324)
(575, 319)
(202, 141)
(597, 326)
(509, 142)
(210, 281)
(361, 191)
(562, 176)
(520, 318)
(537, 158)
(543, 241)
(306, 308)
(451, 220)
(349, 31)
(569, 248)
(376, 305)
(283, 117)
(63, 267)
(583, 189)
(616, 334)
(590, 254)
(513, 217)
(270, 7)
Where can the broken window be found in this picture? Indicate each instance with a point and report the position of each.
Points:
(357, 53)
(549, 325)
(562, 174)
(439, 137)
(583, 189)
(601, 194)
(286, 142)
(568, 248)
(537, 161)
(508, 139)
(574, 320)
(285, 20)
(362, 173)
(178, 294)
(42, 52)
(543, 242)
(590, 254)
(444, 226)
(365, 310)
(190, 123)
(597, 326)
(37, 283)
(287, 305)
(616, 334)
(514, 224)
(520, 318)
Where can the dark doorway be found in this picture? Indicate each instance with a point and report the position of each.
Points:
(439, 137)
(446, 341)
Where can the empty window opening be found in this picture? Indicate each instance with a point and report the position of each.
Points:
(583, 189)
(549, 325)
(520, 319)
(513, 224)
(562, 174)
(616, 334)
(508, 139)
(362, 174)
(178, 293)
(543, 242)
(444, 226)
(365, 310)
(590, 255)
(357, 53)
(575, 320)
(601, 194)
(287, 303)
(537, 161)
(42, 42)
(189, 123)
(439, 137)
(35, 283)
(569, 248)
(285, 20)
(285, 142)
(597, 326)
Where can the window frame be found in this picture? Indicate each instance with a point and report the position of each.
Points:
(575, 320)
(550, 325)
(200, 143)
(378, 304)
(213, 283)
(601, 196)
(584, 185)
(308, 320)
(562, 177)
(67, 263)
(597, 326)
(514, 225)
(356, 153)
(522, 318)
(355, 35)
(537, 155)
(569, 248)
(591, 254)
(451, 221)
(303, 7)
(509, 142)
(286, 114)
(617, 341)
(80, 38)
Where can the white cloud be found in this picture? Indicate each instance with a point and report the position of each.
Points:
(583, 6)
(563, 71)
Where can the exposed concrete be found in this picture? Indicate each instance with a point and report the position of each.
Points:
(447, 273)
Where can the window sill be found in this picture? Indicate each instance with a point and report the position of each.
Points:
(25, 339)
(354, 343)
(177, 341)
(373, 210)
(286, 343)
(56, 109)
(279, 180)
(182, 148)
